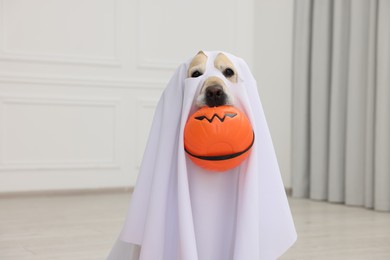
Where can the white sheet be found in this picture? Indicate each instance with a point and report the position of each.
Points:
(182, 212)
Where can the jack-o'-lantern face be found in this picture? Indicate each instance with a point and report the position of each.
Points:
(218, 138)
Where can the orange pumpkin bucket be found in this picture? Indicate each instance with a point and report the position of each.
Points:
(218, 138)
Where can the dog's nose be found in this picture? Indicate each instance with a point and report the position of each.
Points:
(215, 96)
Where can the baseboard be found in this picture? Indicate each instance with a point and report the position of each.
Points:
(76, 192)
(67, 192)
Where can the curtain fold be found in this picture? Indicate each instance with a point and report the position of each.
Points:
(341, 102)
(356, 103)
(338, 97)
(319, 97)
(300, 94)
(382, 114)
(370, 107)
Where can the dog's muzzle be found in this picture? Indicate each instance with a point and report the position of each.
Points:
(215, 96)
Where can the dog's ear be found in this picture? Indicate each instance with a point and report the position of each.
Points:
(201, 52)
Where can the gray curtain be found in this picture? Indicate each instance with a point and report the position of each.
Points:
(341, 102)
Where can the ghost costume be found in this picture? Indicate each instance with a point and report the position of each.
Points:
(180, 211)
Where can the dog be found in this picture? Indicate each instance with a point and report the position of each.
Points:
(181, 211)
(214, 91)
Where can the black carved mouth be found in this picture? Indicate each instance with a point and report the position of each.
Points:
(231, 115)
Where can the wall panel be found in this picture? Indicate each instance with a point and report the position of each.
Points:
(42, 133)
(80, 80)
(59, 31)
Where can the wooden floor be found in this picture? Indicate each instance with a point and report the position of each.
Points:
(85, 227)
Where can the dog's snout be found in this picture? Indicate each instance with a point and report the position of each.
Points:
(215, 96)
(214, 91)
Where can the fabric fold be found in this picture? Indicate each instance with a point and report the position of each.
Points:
(180, 211)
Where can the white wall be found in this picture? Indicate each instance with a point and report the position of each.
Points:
(80, 79)
(273, 61)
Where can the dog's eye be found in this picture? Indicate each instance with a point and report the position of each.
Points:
(228, 72)
(196, 74)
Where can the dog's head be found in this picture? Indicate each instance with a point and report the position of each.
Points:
(214, 91)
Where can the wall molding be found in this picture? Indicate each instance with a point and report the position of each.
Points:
(66, 192)
(7, 55)
(61, 165)
(142, 62)
(82, 82)
(23, 56)
(42, 166)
